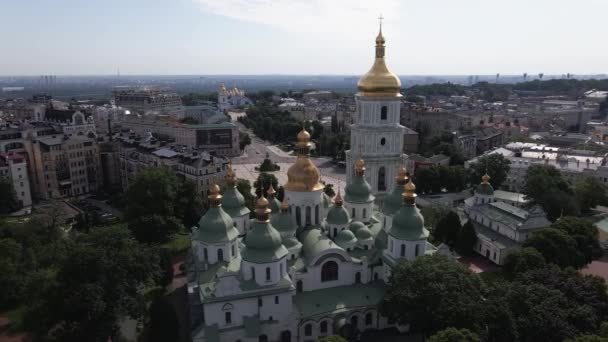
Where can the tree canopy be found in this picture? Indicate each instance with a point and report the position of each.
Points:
(8, 197)
(589, 193)
(545, 186)
(454, 335)
(496, 166)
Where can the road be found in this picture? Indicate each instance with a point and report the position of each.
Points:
(256, 152)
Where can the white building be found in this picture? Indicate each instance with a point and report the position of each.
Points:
(13, 166)
(309, 270)
(501, 227)
(376, 135)
(228, 99)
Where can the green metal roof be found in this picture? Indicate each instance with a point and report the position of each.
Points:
(274, 204)
(216, 226)
(393, 201)
(338, 299)
(233, 202)
(356, 225)
(338, 215)
(359, 191)
(291, 242)
(408, 224)
(314, 242)
(284, 223)
(364, 233)
(345, 237)
(485, 189)
(381, 241)
(263, 244)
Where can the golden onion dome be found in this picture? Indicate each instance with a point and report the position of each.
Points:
(303, 136)
(401, 174)
(485, 178)
(379, 81)
(303, 175)
(410, 189)
(360, 165)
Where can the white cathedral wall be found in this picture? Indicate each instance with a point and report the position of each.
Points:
(278, 270)
(311, 280)
(334, 229)
(303, 200)
(229, 250)
(242, 223)
(357, 213)
(394, 247)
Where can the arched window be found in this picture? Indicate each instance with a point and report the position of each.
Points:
(298, 216)
(220, 255)
(317, 214)
(364, 213)
(402, 250)
(353, 214)
(308, 330)
(382, 179)
(383, 113)
(383, 141)
(205, 255)
(253, 273)
(232, 251)
(308, 214)
(416, 250)
(335, 232)
(354, 321)
(329, 271)
(358, 278)
(323, 328)
(267, 273)
(299, 286)
(368, 318)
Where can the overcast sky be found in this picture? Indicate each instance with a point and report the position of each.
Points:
(91, 37)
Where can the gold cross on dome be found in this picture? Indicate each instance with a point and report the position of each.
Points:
(380, 18)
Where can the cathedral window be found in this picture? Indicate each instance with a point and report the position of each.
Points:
(276, 299)
(358, 278)
(353, 214)
(308, 330)
(299, 286)
(205, 255)
(232, 250)
(383, 113)
(329, 271)
(383, 141)
(220, 255)
(323, 327)
(253, 273)
(382, 178)
(368, 319)
(364, 213)
(402, 250)
(228, 317)
(335, 232)
(416, 250)
(317, 214)
(354, 321)
(260, 303)
(267, 273)
(298, 216)
(308, 216)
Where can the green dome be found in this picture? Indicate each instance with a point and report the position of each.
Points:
(284, 223)
(485, 189)
(356, 225)
(338, 215)
(263, 244)
(216, 226)
(381, 240)
(291, 242)
(274, 204)
(408, 224)
(233, 202)
(393, 201)
(364, 233)
(345, 237)
(359, 191)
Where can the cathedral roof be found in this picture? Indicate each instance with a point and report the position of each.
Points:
(338, 215)
(364, 233)
(345, 238)
(263, 242)
(359, 190)
(216, 225)
(485, 188)
(356, 225)
(394, 200)
(408, 223)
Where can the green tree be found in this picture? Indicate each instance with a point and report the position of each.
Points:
(163, 325)
(557, 247)
(12, 279)
(524, 260)
(496, 166)
(262, 184)
(466, 240)
(588, 338)
(244, 187)
(428, 179)
(589, 193)
(432, 293)
(8, 197)
(329, 190)
(151, 205)
(454, 335)
(189, 203)
(545, 186)
(448, 229)
(98, 284)
(244, 140)
(584, 233)
(268, 166)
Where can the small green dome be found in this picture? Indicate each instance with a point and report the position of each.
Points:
(291, 242)
(356, 225)
(364, 233)
(359, 191)
(338, 215)
(233, 202)
(408, 224)
(345, 237)
(485, 189)
(393, 201)
(263, 244)
(216, 226)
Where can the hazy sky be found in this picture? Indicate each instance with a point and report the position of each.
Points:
(301, 36)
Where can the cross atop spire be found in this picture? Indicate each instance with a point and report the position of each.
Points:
(380, 18)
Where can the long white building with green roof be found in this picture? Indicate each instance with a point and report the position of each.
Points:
(303, 267)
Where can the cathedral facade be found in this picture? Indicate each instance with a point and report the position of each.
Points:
(308, 266)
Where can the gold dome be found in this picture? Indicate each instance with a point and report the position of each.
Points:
(262, 202)
(379, 81)
(230, 175)
(303, 136)
(410, 189)
(214, 195)
(360, 165)
(401, 177)
(271, 191)
(303, 175)
(485, 178)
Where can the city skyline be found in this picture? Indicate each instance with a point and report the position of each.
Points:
(301, 37)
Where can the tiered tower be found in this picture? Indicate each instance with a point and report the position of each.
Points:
(376, 130)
